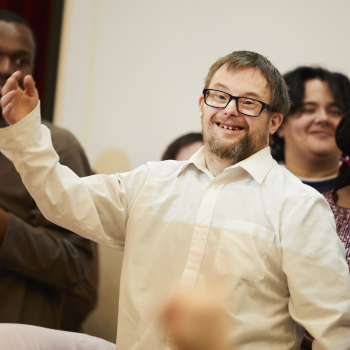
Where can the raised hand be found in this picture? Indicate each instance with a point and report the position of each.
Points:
(15, 102)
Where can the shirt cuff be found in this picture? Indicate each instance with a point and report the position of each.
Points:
(22, 134)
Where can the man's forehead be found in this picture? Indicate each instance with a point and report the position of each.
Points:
(16, 36)
(250, 79)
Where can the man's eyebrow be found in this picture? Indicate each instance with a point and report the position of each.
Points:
(246, 94)
(21, 53)
(309, 104)
(17, 53)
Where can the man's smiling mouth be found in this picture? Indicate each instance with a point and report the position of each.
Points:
(223, 126)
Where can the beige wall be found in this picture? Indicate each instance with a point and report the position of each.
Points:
(131, 72)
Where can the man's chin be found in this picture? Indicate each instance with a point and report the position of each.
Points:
(231, 151)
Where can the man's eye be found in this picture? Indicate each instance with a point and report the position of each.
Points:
(308, 111)
(218, 97)
(21, 61)
(336, 113)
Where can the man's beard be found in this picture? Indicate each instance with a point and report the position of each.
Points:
(233, 153)
(240, 150)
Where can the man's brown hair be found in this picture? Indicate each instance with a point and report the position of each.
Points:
(238, 60)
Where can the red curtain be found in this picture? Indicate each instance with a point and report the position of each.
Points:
(37, 13)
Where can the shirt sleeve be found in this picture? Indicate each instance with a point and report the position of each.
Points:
(317, 274)
(95, 207)
(27, 337)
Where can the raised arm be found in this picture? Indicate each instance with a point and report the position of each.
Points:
(94, 207)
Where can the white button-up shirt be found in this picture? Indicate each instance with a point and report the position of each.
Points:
(269, 240)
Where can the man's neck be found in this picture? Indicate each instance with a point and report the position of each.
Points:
(319, 167)
(215, 164)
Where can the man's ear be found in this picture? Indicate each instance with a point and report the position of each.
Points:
(200, 105)
(275, 122)
(280, 131)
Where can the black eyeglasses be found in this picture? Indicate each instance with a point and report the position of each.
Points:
(245, 105)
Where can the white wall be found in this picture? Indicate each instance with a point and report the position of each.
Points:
(131, 72)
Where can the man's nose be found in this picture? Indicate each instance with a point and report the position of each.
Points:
(231, 109)
(6, 68)
(322, 116)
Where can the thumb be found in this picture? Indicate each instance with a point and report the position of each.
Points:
(29, 86)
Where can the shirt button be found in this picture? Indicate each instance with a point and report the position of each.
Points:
(215, 185)
(202, 224)
(191, 266)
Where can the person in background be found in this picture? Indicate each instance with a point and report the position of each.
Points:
(305, 141)
(48, 275)
(184, 147)
(339, 197)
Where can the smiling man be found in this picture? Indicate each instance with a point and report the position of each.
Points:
(230, 212)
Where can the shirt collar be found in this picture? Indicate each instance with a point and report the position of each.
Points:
(258, 165)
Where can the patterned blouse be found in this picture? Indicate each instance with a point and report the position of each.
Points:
(342, 220)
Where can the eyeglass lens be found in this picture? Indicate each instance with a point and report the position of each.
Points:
(244, 105)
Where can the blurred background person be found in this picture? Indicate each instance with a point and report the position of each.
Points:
(184, 147)
(305, 141)
(339, 198)
(48, 275)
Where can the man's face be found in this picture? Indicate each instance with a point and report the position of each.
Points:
(310, 132)
(249, 134)
(16, 51)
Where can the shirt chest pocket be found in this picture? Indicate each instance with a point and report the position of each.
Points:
(243, 249)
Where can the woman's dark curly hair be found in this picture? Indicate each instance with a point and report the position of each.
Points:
(342, 138)
(338, 83)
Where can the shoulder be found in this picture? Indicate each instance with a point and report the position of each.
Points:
(155, 171)
(166, 168)
(290, 190)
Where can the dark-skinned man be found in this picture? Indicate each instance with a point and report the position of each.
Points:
(48, 275)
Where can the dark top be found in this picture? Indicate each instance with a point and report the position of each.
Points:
(321, 186)
(342, 220)
(43, 266)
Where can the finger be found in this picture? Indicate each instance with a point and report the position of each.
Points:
(29, 86)
(12, 83)
(6, 111)
(6, 99)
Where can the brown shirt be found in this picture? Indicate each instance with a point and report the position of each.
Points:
(41, 263)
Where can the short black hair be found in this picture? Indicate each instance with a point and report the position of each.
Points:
(174, 148)
(11, 17)
(342, 138)
(338, 83)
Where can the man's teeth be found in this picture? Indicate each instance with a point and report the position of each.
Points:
(229, 127)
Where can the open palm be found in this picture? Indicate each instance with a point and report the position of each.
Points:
(15, 102)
